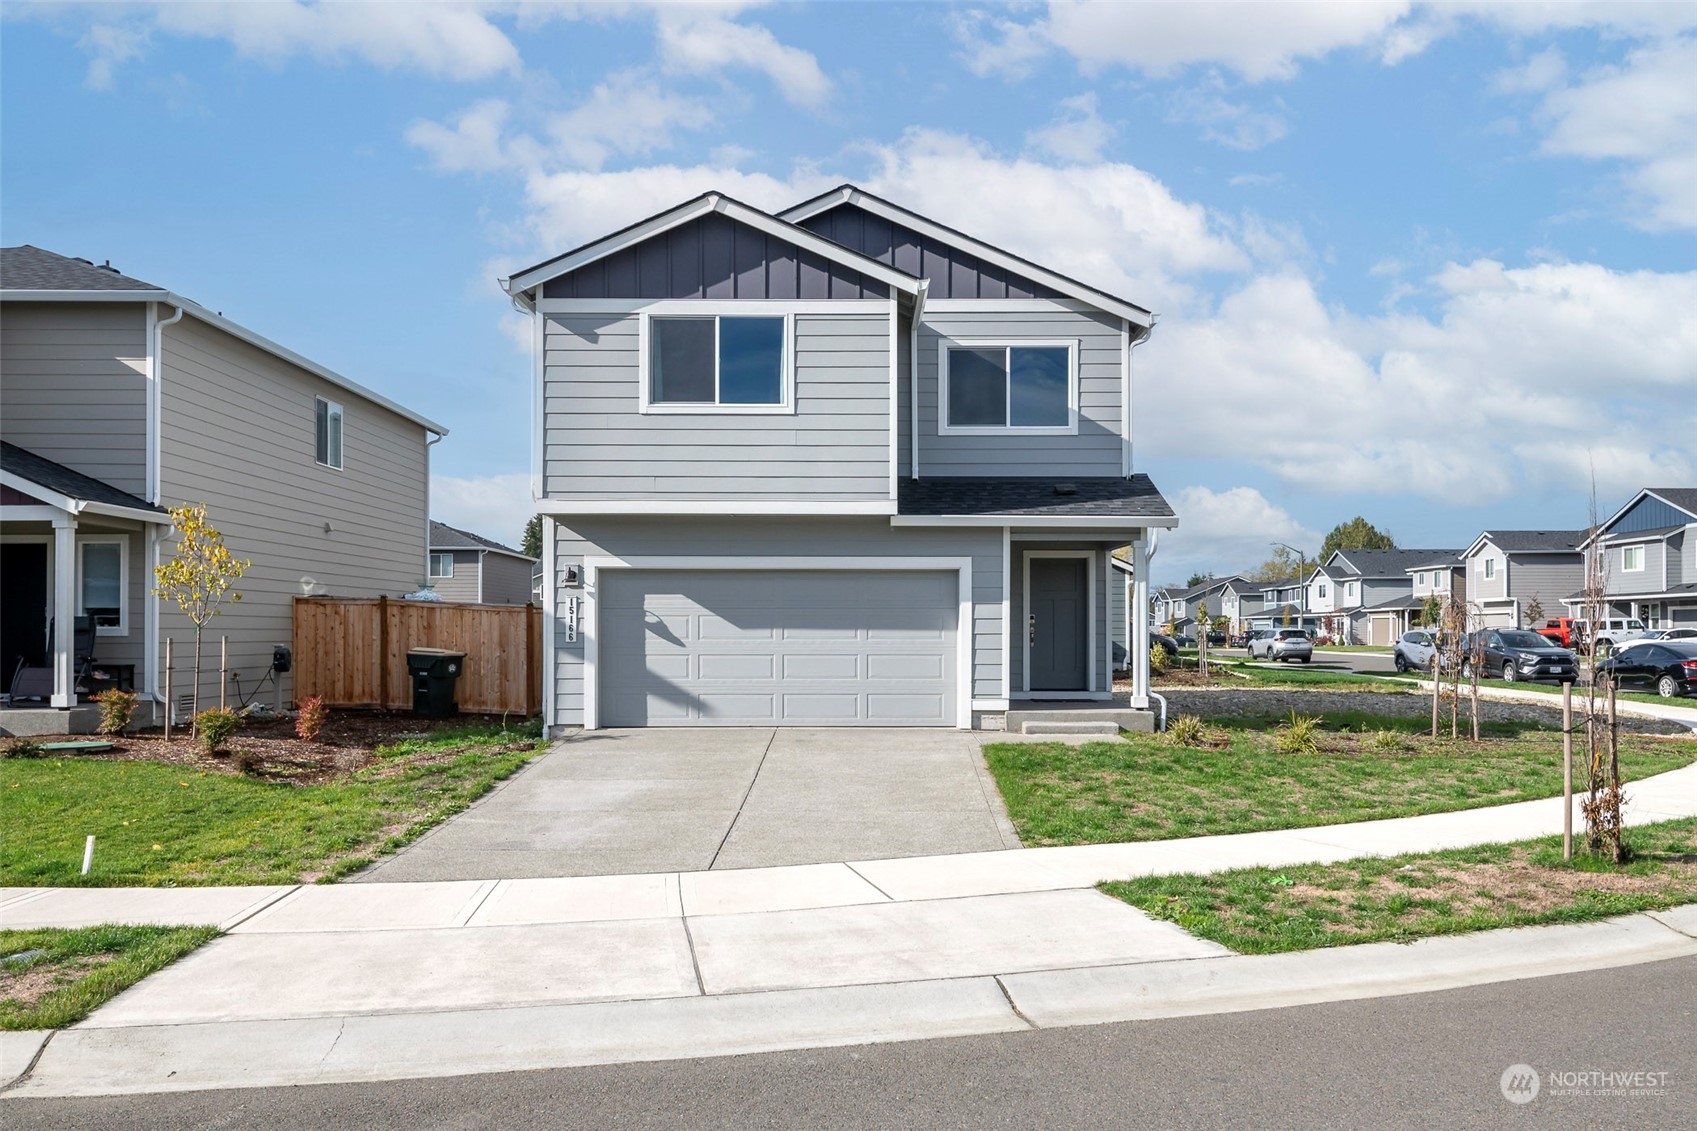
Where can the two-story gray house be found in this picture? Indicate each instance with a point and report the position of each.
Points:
(120, 399)
(1507, 570)
(842, 465)
(469, 567)
(1649, 550)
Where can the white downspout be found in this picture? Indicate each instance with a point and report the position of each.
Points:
(913, 380)
(155, 495)
(1131, 344)
(428, 444)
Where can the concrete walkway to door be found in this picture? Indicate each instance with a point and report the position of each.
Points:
(675, 800)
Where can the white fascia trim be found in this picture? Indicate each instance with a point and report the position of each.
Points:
(945, 344)
(1124, 567)
(753, 217)
(919, 306)
(1129, 524)
(1013, 306)
(63, 504)
(712, 306)
(1089, 295)
(235, 330)
(539, 403)
(53, 499)
(567, 507)
(550, 601)
(593, 565)
(26, 513)
(132, 513)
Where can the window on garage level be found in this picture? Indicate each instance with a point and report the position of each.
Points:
(723, 361)
(992, 386)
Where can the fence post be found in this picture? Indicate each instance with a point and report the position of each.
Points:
(531, 668)
(383, 652)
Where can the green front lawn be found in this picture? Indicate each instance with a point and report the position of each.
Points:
(1150, 788)
(164, 824)
(1398, 898)
(76, 970)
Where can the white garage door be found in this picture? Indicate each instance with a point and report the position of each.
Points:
(764, 647)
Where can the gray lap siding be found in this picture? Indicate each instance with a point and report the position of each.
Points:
(834, 446)
(833, 541)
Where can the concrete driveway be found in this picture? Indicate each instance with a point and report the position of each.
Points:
(671, 800)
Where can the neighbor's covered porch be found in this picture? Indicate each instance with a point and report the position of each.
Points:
(75, 615)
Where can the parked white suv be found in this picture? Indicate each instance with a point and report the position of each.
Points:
(1612, 632)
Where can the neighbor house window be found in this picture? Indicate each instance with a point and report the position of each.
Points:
(1420, 580)
(1349, 590)
(329, 433)
(991, 386)
(1632, 558)
(1322, 590)
(721, 361)
(441, 565)
(1490, 568)
(100, 592)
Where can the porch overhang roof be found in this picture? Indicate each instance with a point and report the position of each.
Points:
(72, 492)
(1098, 503)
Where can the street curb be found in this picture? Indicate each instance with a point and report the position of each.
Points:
(399, 1046)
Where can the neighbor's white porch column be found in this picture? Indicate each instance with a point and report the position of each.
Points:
(1138, 615)
(64, 610)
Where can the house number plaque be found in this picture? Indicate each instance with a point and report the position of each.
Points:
(571, 620)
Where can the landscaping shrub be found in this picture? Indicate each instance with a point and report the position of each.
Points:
(1299, 736)
(1158, 661)
(1187, 730)
(215, 726)
(117, 708)
(25, 748)
(1387, 742)
(311, 717)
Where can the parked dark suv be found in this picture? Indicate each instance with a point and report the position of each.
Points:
(1516, 654)
(1669, 666)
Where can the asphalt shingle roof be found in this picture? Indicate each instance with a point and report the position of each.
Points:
(445, 537)
(1101, 498)
(1387, 563)
(1510, 541)
(28, 268)
(1685, 498)
(58, 478)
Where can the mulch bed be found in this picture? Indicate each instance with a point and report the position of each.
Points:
(270, 750)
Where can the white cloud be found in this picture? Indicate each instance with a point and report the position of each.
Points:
(110, 46)
(1235, 125)
(1642, 113)
(627, 115)
(1220, 531)
(1077, 134)
(495, 506)
(700, 39)
(474, 142)
(1543, 71)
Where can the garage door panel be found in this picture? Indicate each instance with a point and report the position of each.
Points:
(761, 647)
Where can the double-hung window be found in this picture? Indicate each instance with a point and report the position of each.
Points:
(441, 565)
(1020, 388)
(100, 585)
(329, 433)
(717, 362)
(1632, 559)
(1490, 568)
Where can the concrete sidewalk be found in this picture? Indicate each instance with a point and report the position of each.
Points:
(385, 981)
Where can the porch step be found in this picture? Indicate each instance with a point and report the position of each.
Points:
(1115, 719)
(32, 722)
(1036, 726)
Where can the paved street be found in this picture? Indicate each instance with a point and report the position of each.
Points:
(668, 800)
(1430, 1060)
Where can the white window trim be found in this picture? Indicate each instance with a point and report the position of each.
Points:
(1089, 689)
(946, 429)
(434, 554)
(691, 308)
(590, 627)
(337, 412)
(122, 628)
(1626, 559)
(1488, 569)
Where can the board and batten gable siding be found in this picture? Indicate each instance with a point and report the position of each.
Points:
(599, 445)
(73, 386)
(463, 585)
(713, 257)
(1095, 451)
(238, 433)
(953, 272)
(1650, 513)
(833, 539)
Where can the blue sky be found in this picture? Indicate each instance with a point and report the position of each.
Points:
(1429, 264)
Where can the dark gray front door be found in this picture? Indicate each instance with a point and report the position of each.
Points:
(1057, 627)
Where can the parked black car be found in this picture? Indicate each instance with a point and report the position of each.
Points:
(1166, 643)
(1514, 654)
(1668, 666)
(1216, 638)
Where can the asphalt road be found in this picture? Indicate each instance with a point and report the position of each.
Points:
(1325, 659)
(1426, 1060)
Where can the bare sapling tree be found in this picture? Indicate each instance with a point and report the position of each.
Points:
(1453, 641)
(1476, 636)
(199, 578)
(1603, 801)
(1202, 624)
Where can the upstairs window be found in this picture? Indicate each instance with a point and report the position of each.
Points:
(1489, 568)
(717, 361)
(992, 387)
(329, 434)
(1322, 592)
(441, 565)
(1632, 558)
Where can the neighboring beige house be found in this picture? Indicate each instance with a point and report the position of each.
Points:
(468, 567)
(119, 399)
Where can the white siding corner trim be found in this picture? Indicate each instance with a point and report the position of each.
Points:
(588, 610)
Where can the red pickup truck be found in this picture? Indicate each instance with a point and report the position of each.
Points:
(1565, 631)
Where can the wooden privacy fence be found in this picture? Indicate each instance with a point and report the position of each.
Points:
(353, 652)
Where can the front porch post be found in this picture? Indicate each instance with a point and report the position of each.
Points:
(64, 610)
(1139, 618)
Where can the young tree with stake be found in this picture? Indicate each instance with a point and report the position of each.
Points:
(200, 576)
